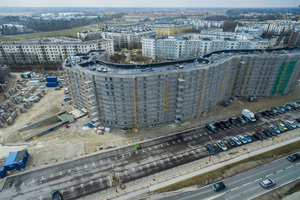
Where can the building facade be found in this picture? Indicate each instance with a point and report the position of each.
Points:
(48, 50)
(182, 48)
(131, 96)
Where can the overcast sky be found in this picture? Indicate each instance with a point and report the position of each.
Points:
(149, 3)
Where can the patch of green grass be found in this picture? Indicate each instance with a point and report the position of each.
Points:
(216, 174)
(63, 33)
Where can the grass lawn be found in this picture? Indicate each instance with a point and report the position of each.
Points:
(234, 168)
(63, 33)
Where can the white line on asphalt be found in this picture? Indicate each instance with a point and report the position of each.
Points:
(257, 180)
(269, 175)
(290, 166)
(247, 184)
(233, 189)
(279, 171)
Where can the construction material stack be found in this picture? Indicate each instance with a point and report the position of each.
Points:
(51, 81)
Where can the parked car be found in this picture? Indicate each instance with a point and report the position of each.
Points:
(275, 128)
(288, 108)
(267, 133)
(272, 113)
(283, 126)
(248, 138)
(256, 117)
(242, 139)
(237, 141)
(288, 126)
(252, 99)
(293, 157)
(56, 195)
(231, 142)
(221, 145)
(292, 106)
(241, 120)
(282, 108)
(232, 121)
(291, 123)
(225, 124)
(246, 119)
(265, 114)
(268, 182)
(211, 149)
(298, 120)
(219, 125)
(211, 127)
(261, 133)
(277, 109)
(272, 131)
(218, 186)
(257, 136)
(280, 128)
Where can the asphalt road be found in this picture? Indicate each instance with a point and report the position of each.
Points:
(95, 173)
(246, 185)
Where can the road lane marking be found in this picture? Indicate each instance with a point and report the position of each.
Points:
(247, 183)
(279, 171)
(289, 167)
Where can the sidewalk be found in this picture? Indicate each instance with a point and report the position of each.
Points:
(156, 186)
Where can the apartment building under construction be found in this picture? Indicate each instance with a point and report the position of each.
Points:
(135, 96)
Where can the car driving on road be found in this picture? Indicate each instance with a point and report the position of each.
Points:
(268, 182)
(293, 157)
(218, 186)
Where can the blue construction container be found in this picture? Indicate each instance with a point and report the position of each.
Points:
(51, 79)
(16, 160)
(2, 173)
(23, 75)
(51, 84)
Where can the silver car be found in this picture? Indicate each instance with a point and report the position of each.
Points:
(268, 182)
(237, 141)
(243, 140)
(221, 145)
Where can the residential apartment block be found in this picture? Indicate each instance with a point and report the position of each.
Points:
(134, 96)
(195, 45)
(48, 50)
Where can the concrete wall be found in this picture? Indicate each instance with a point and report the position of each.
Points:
(54, 118)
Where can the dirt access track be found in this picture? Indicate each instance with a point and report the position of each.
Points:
(68, 143)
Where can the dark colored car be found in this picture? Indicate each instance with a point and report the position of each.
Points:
(293, 157)
(232, 121)
(210, 148)
(246, 119)
(218, 186)
(288, 108)
(292, 106)
(55, 194)
(241, 120)
(271, 112)
(288, 126)
(231, 142)
(219, 125)
(272, 131)
(267, 133)
(261, 134)
(257, 136)
(225, 124)
(257, 117)
(298, 120)
(265, 114)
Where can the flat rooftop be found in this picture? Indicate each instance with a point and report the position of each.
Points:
(93, 61)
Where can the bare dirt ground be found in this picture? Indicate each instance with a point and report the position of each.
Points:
(68, 143)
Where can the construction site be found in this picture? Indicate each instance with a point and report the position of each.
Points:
(52, 130)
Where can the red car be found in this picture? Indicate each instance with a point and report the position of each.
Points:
(261, 133)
